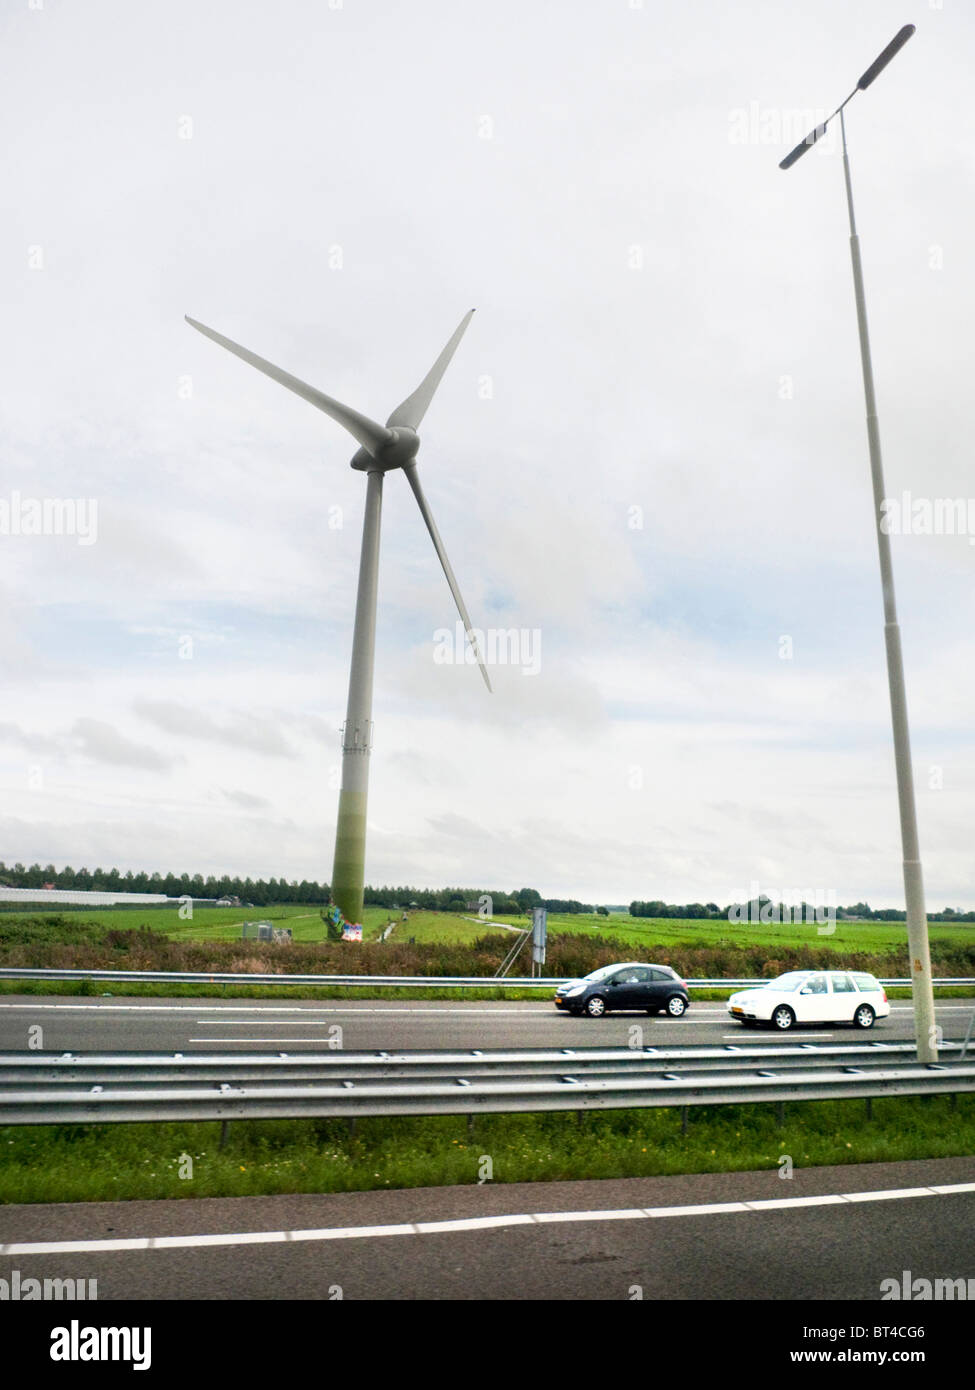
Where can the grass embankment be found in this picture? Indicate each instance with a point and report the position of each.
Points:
(126, 1162)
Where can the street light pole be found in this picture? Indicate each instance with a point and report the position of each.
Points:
(925, 1029)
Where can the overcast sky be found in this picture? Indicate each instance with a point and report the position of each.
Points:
(648, 453)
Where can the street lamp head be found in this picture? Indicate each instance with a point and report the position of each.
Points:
(872, 72)
(803, 146)
(878, 64)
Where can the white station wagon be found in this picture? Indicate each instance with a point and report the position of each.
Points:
(812, 996)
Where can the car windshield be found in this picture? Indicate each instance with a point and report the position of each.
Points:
(785, 984)
(602, 972)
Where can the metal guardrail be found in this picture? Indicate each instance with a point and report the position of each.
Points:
(203, 977)
(70, 1068)
(126, 1088)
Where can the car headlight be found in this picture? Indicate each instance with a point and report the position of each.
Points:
(571, 993)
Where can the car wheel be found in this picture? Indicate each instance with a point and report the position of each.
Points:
(677, 1006)
(595, 1007)
(864, 1017)
(783, 1018)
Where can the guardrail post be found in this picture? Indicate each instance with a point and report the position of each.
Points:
(684, 1111)
(869, 1107)
(470, 1123)
(224, 1131)
(780, 1114)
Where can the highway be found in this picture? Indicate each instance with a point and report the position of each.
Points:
(827, 1233)
(824, 1234)
(182, 1025)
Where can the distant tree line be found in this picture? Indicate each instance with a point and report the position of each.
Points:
(503, 902)
(261, 892)
(662, 909)
(786, 911)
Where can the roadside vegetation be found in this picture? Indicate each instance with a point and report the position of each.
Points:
(78, 1163)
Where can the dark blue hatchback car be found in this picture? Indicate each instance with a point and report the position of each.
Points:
(652, 989)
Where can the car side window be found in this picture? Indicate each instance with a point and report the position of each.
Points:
(637, 976)
(842, 984)
(817, 985)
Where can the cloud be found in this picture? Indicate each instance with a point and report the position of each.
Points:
(104, 744)
(245, 731)
(246, 800)
(33, 743)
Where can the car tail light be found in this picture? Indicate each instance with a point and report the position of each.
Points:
(884, 993)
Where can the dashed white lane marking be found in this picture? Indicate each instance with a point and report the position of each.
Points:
(789, 1036)
(475, 1223)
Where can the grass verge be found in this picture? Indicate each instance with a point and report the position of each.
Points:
(79, 1163)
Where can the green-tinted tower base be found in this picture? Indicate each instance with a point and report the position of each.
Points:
(348, 873)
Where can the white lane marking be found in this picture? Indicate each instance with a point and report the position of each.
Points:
(696, 1209)
(895, 1192)
(777, 1203)
(939, 1008)
(475, 1223)
(778, 1036)
(625, 1214)
(262, 1022)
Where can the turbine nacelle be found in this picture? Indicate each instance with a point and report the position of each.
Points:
(397, 452)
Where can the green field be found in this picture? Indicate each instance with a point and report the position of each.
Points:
(224, 923)
(429, 927)
(642, 932)
(305, 921)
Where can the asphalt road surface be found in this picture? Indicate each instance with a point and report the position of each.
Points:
(827, 1233)
(117, 1024)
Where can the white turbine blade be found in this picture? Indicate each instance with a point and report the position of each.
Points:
(413, 409)
(370, 435)
(414, 481)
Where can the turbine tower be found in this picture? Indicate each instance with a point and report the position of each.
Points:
(381, 449)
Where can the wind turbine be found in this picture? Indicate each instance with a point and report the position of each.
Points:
(382, 448)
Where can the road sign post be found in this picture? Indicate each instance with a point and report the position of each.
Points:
(539, 933)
